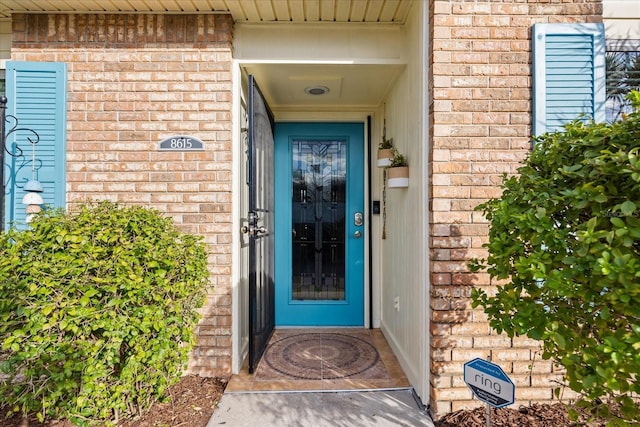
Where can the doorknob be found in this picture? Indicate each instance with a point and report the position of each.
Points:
(357, 234)
(252, 231)
(252, 227)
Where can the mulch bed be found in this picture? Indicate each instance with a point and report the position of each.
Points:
(536, 415)
(191, 404)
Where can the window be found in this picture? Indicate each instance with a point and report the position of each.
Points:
(623, 75)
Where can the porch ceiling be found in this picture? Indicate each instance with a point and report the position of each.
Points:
(350, 87)
(385, 11)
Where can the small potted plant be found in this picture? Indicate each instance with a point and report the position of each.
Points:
(398, 171)
(384, 152)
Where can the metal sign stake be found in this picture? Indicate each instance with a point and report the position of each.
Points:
(488, 415)
(488, 406)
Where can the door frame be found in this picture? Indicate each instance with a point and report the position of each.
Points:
(239, 259)
(372, 287)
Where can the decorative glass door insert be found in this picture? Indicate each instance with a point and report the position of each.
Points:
(318, 219)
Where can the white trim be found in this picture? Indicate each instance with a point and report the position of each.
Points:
(322, 116)
(366, 278)
(238, 351)
(424, 388)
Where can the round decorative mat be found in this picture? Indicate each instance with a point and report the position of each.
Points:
(317, 356)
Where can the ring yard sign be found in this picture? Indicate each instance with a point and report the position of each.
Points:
(489, 383)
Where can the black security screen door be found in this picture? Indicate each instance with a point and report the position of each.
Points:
(260, 225)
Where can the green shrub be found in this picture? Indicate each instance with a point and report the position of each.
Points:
(97, 311)
(565, 236)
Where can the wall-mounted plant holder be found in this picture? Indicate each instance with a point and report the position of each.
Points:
(384, 157)
(398, 177)
(398, 171)
(385, 152)
(395, 175)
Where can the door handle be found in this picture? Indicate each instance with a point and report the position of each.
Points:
(252, 231)
(252, 227)
(357, 234)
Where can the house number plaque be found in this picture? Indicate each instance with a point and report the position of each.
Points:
(181, 143)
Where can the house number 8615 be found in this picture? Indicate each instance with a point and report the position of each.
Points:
(181, 143)
(177, 143)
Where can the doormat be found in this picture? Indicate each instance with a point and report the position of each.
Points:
(321, 356)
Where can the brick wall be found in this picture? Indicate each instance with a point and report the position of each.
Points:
(480, 90)
(134, 80)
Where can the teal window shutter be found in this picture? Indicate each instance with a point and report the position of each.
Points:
(37, 98)
(569, 77)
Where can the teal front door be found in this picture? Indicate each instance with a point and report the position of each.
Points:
(319, 228)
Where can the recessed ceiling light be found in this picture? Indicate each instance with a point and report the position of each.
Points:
(316, 90)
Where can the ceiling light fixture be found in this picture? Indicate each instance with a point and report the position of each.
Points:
(316, 90)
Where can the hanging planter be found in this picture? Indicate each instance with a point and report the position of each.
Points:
(384, 157)
(398, 171)
(398, 177)
(385, 153)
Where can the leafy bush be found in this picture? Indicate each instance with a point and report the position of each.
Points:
(97, 311)
(565, 235)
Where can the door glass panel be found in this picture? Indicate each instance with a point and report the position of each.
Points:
(319, 196)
